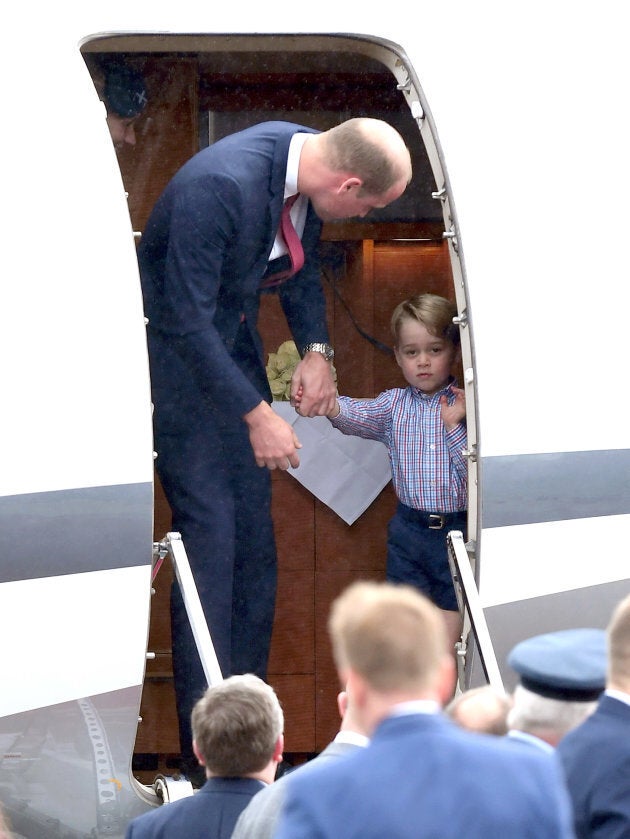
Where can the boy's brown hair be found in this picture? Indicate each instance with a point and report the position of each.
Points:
(435, 313)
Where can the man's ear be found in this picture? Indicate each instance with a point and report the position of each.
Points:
(278, 749)
(342, 703)
(349, 184)
(447, 679)
(198, 755)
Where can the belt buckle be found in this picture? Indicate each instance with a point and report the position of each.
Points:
(436, 521)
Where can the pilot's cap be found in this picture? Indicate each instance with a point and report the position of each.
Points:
(124, 92)
(569, 664)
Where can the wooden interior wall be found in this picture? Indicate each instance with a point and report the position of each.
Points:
(318, 553)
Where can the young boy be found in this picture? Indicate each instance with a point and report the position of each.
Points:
(423, 428)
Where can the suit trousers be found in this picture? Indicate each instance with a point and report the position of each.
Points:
(221, 505)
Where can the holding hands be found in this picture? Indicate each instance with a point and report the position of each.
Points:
(313, 388)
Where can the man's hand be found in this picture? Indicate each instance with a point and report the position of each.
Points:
(453, 414)
(313, 390)
(273, 440)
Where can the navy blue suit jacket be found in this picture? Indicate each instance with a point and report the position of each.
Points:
(205, 251)
(421, 777)
(596, 760)
(210, 813)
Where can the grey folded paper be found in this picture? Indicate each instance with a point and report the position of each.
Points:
(345, 472)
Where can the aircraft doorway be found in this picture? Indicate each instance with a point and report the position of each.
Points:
(199, 89)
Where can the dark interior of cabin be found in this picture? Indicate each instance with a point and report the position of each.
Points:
(199, 91)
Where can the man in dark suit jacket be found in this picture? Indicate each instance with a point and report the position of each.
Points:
(238, 729)
(421, 775)
(596, 754)
(210, 247)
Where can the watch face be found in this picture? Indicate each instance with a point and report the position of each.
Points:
(325, 349)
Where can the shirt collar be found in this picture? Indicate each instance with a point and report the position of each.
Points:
(515, 734)
(293, 162)
(352, 737)
(445, 390)
(618, 694)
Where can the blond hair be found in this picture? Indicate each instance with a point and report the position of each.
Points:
(392, 635)
(236, 725)
(435, 313)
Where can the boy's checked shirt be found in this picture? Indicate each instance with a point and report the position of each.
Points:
(428, 467)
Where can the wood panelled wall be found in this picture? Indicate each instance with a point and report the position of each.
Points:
(318, 553)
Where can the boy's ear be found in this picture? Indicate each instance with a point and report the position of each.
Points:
(397, 354)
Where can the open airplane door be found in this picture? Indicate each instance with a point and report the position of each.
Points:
(76, 480)
(533, 138)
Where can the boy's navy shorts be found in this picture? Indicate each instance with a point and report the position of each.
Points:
(417, 552)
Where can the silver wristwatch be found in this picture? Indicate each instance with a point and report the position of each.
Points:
(325, 349)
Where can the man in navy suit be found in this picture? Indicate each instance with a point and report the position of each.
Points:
(596, 754)
(238, 729)
(421, 775)
(210, 247)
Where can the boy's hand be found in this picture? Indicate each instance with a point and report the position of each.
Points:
(453, 414)
(313, 389)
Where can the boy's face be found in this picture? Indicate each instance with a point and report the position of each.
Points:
(425, 360)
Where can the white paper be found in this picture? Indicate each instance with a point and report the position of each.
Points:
(345, 472)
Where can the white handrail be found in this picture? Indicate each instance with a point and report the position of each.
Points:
(173, 544)
(470, 604)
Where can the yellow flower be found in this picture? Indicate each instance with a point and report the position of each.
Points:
(280, 368)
